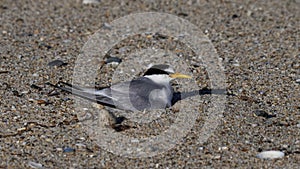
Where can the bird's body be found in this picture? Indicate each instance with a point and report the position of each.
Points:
(139, 94)
(151, 91)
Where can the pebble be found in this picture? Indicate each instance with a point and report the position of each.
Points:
(3, 71)
(54, 93)
(298, 81)
(21, 129)
(67, 41)
(59, 149)
(223, 148)
(25, 92)
(263, 113)
(236, 64)
(82, 138)
(35, 87)
(135, 141)
(35, 75)
(91, 1)
(57, 63)
(270, 154)
(114, 64)
(68, 150)
(35, 165)
(106, 26)
(113, 59)
(80, 145)
(41, 101)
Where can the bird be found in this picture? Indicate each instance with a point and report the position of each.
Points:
(153, 90)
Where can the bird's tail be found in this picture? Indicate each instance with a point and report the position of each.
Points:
(81, 92)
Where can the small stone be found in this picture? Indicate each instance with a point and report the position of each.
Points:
(57, 63)
(91, 1)
(285, 146)
(67, 41)
(48, 140)
(41, 101)
(113, 59)
(223, 148)
(254, 125)
(31, 100)
(21, 129)
(16, 93)
(59, 149)
(297, 80)
(53, 93)
(263, 113)
(234, 16)
(216, 157)
(107, 26)
(236, 64)
(35, 165)
(270, 154)
(35, 75)
(249, 13)
(80, 146)
(20, 56)
(114, 64)
(36, 87)
(135, 141)
(283, 123)
(3, 71)
(25, 92)
(68, 150)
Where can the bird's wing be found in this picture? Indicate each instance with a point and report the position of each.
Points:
(134, 95)
(87, 93)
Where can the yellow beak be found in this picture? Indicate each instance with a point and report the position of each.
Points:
(179, 75)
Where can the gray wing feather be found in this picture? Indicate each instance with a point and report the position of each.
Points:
(132, 95)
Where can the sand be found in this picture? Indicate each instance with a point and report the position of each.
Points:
(258, 43)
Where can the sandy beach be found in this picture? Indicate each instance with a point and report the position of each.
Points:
(257, 43)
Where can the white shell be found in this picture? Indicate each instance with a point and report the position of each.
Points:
(270, 154)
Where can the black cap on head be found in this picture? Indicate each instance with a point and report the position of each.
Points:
(159, 69)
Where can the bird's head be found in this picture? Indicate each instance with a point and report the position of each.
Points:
(163, 72)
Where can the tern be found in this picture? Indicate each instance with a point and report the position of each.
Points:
(153, 90)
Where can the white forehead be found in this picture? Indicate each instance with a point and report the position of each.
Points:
(160, 79)
(170, 70)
